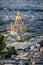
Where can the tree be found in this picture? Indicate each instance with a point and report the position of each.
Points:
(2, 45)
(41, 43)
(10, 52)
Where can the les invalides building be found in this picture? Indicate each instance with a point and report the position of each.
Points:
(18, 27)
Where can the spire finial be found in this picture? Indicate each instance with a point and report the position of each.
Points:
(18, 17)
(18, 14)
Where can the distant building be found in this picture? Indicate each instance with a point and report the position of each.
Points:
(18, 26)
(41, 49)
(18, 32)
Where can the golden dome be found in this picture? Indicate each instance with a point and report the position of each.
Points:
(18, 17)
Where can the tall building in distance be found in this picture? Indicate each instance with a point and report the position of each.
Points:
(18, 26)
